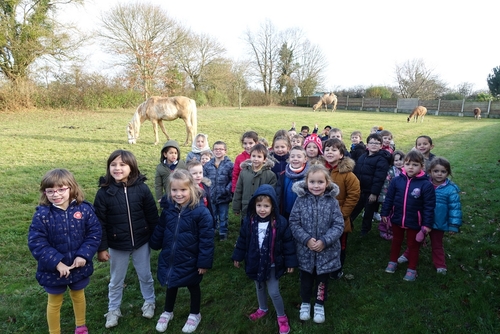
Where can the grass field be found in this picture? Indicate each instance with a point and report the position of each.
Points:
(467, 300)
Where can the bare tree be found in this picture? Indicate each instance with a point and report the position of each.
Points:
(142, 36)
(311, 72)
(415, 80)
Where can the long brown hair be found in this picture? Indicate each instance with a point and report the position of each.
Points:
(129, 159)
(60, 177)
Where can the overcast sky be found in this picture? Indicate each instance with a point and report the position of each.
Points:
(361, 40)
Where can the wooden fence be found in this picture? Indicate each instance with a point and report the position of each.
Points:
(462, 108)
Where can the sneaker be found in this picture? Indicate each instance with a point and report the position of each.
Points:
(411, 275)
(81, 330)
(391, 267)
(337, 274)
(162, 323)
(441, 271)
(319, 314)
(402, 259)
(376, 216)
(112, 318)
(192, 323)
(305, 311)
(148, 310)
(257, 314)
(283, 325)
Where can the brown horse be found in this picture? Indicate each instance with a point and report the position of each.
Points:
(418, 111)
(157, 109)
(326, 99)
(477, 113)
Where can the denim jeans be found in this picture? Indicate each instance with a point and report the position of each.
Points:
(221, 213)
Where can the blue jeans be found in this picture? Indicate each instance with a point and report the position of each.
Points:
(221, 214)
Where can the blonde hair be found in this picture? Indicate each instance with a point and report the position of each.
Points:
(60, 177)
(183, 176)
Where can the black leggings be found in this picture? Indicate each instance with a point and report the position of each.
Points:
(313, 282)
(195, 292)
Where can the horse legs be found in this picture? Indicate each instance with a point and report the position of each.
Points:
(155, 129)
(189, 131)
(162, 129)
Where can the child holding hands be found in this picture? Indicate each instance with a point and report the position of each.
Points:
(266, 244)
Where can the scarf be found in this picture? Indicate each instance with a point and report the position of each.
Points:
(296, 173)
(266, 256)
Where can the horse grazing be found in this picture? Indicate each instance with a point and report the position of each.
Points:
(157, 109)
(418, 111)
(326, 99)
(477, 113)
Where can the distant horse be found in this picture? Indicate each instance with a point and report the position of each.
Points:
(477, 113)
(326, 99)
(157, 109)
(418, 111)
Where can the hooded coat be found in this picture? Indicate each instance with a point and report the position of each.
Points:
(282, 246)
(349, 189)
(164, 169)
(317, 217)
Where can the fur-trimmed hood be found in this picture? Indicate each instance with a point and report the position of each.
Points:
(346, 165)
(300, 188)
(268, 164)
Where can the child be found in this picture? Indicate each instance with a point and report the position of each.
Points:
(314, 149)
(266, 244)
(185, 236)
(387, 143)
(199, 145)
(335, 133)
(424, 145)
(324, 134)
(295, 171)
(358, 148)
(342, 175)
(371, 170)
(264, 142)
(128, 214)
(170, 159)
(195, 168)
(447, 214)
(280, 153)
(304, 131)
(63, 237)
(317, 224)
(219, 170)
(297, 140)
(206, 156)
(396, 166)
(292, 132)
(410, 204)
(255, 172)
(248, 140)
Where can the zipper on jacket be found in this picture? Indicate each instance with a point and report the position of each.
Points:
(172, 249)
(129, 217)
(69, 234)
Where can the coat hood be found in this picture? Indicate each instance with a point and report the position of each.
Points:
(300, 188)
(170, 143)
(196, 149)
(346, 165)
(248, 164)
(266, 190)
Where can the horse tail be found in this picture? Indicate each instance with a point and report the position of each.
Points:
(194, 118)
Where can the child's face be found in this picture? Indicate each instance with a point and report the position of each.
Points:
(291, 133)
(297, 142)
(119, 170)
(386, 140)
(374, 130)
(312, 150)
(398, 161)
(373, 146)
(304, 133)
(438, 174)
(280, 147)
(263, 207)
(248, 143)
(337, 135)
(316, 183)
(412, 168)
(332, 155)
(200, 142)
(58, 195)
(179, 191)
(219, 151)
(197, 173)
(171, 155)
(297, 159)
(204, 159)
(257, 159)
(355, 139)
(424, 146)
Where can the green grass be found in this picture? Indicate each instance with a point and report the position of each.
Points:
(466, 300)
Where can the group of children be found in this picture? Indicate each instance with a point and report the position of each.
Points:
(297, 201)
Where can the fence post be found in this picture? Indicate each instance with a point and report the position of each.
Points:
(347, 102)
(379, 102)
(362, 103)
(461, 113)
(489, 107)
(439, 105)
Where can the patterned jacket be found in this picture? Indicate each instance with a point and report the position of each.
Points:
(221, 177)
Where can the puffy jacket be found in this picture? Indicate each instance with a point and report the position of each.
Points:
(286, 196)
(349, 190)
(221, 177)
(317, 217)
(163, 169)
(410, 202)
(448, 212)
(280, 162)
(128, 214)
(186, 239)
(57, 235)
(283, 246)
(357, 150)
(371, 171)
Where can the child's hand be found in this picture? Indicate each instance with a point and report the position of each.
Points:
(384, 220)
(289, 270)
(79, 262)
(63, 269)
(202, 271)
(311, 243)
(103, 256)
(319, 246)
(236, 264)
(372, 198)
(427, 229)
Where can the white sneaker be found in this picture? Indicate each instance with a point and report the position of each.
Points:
(402, 259)
(305, 311)
(162, 323)
(112, 318)
(376, 216)
(192, 323)
(148, 310)
(441, 271)
(319, 314)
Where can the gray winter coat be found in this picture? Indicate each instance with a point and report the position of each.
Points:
(317, 217)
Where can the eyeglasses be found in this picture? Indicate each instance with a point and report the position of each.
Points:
(374, 143)
(59, 191)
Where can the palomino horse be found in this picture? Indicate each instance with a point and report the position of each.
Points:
(418, 111)
(326, 99)
(477, 113)
(157, 109)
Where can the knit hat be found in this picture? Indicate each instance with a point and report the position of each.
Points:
(316, 140)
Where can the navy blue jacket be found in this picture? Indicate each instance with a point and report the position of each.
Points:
(371, 171)
(186, 239)
(284, 253)
(57, 235)
(221, 178)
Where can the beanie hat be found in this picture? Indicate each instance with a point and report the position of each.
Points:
(316, 140)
